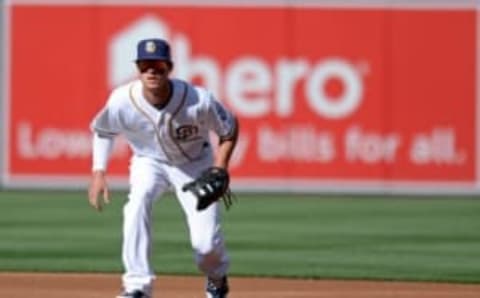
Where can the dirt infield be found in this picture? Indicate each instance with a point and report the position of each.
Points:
(38, 285)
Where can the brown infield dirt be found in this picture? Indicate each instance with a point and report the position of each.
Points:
(39, 285)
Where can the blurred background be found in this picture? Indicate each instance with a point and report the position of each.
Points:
(337, 100)
(350, 96)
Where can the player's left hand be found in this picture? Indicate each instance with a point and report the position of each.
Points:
(212, 185)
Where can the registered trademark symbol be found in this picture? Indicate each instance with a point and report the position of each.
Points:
(363, 67)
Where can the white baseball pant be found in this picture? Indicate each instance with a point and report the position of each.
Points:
(149, 179)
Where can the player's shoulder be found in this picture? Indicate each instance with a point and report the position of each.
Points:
(196, 97)
(120, 95)
(203, 93)
(192, 89)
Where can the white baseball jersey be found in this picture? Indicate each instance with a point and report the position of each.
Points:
(176, 134)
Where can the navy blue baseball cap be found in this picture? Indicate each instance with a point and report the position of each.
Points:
(153, 49)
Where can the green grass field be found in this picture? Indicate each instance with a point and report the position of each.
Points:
(393, 238)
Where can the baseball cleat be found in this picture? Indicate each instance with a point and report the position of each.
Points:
(134, 294)
(217, 289)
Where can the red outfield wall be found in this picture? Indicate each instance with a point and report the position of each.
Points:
(362, 98)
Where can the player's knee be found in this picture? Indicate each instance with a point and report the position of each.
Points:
(206, 241)
(203, 246)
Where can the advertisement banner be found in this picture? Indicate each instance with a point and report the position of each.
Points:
(378, 98)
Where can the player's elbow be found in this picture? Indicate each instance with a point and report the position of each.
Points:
(233, 135)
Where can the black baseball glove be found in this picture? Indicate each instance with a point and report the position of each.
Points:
(210, 186)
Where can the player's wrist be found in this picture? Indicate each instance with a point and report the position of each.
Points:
(221, 164)
(98, 172)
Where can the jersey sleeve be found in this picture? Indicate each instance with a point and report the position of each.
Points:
(101, 150)
(105, 126)
(106, 122)
(220, 119)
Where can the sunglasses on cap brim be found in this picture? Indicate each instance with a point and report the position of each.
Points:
(159, 66)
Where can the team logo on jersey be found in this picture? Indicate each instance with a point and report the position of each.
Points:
(186, 132)
(150, 47)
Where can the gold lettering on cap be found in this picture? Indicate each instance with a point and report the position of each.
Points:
(150, 47)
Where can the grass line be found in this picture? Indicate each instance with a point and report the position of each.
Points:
(424, 239)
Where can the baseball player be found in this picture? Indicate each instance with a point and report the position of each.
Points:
(166, 122)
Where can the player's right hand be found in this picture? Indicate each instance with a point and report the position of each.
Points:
(98, 186)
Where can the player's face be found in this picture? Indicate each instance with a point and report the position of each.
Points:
(153, 73)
